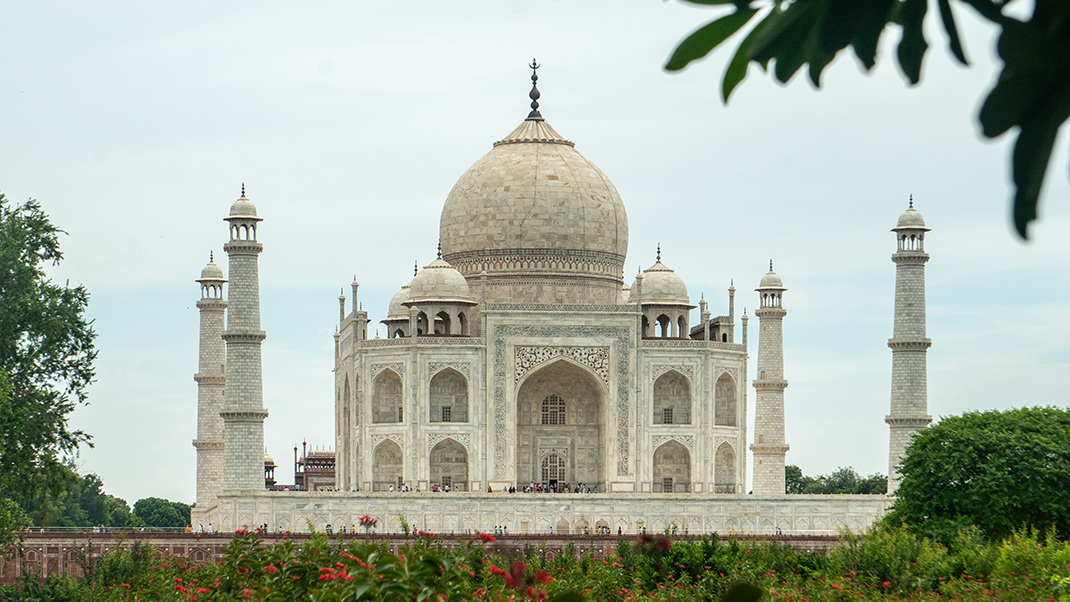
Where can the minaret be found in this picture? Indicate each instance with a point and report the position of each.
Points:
(243, 409)
(210, 381)
(769, 447)
(910, 398)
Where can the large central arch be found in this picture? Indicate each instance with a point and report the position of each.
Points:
(560, 409)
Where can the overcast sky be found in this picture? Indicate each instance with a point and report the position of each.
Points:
(135, 124)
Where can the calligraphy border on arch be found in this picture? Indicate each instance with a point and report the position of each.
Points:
(657, 370)
(529, 357)
(687, 441)
(464, 368)
(398, 367)
(623, 337)
(464, 439)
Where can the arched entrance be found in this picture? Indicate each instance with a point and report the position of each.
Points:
(560, 431)
(387, 466)
(449, 465)
(672, 468)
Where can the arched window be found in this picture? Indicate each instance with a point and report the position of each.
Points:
(387, 463)
(553, 410)
(449, 397)
(672, 469)
(724, 411)
(672, 399)
(724, 470)
(449, 465)
(387, 398)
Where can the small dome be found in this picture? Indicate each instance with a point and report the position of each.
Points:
(662, 286)
(268, 459)
(212, 272)
(771, 280)
(911, 219)
(243, 207)
(439, 281)
(625, 292)
(397, 309)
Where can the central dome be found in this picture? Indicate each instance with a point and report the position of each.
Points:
(534, 208)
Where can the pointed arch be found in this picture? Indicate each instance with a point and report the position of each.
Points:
(672, 468)
(672, 399)
(449, 465)
(387, 398)
(724, 405)
(724, 469)
(449, 397)
(388, 465)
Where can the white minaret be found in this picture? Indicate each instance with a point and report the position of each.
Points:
(243, 409)
(210, 381)
(910, 397)
(769, 447)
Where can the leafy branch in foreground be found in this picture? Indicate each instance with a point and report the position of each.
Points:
(1032, 92)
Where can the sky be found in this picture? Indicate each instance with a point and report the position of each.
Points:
(135, 125)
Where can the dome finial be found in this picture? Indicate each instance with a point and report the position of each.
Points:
(415, 267)
(770, 265)
(534, 94)
(211, 256)
(440, 249)
(659, 251)
(243, 190)
(912, 201)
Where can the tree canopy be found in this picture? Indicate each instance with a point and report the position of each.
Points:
(46, 352)
(1031, 94)
(842, 480)
(156, 512)
(996, 470)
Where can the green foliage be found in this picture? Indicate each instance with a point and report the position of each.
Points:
(156, 512)
(997, 470)
(842, 480)
(74, 500)
(1032, 92)
(888, 563)
(12, 521)
(46, 353)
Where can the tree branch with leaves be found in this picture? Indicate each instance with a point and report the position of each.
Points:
(1032, 92)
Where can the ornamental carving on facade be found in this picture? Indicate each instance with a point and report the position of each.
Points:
(658, 369)
(464, 368)
(398, 438)
(731, 441)
(623, 337)
(464, 439)
(595, 358)
(398, 367)
(733, 372)
(687, 441)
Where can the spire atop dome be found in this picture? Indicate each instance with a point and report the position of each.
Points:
(211, 256)
(911, 201)
(243, 190)
(659, 252)
(440, 249)
(415, 267)
(534, 94)
(770, 265)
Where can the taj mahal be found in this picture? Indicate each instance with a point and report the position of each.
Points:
(525, 376)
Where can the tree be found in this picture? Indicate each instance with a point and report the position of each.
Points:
(1032, 92)
(46, 353)
(842, 480)
(996, 470)
(156, 512)
(77, 501)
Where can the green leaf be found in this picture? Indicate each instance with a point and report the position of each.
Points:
(912, 45)
(737, 67)
(864, 42)
(706, 38)
(952, 30)
(1032, 151)
(567, 597)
